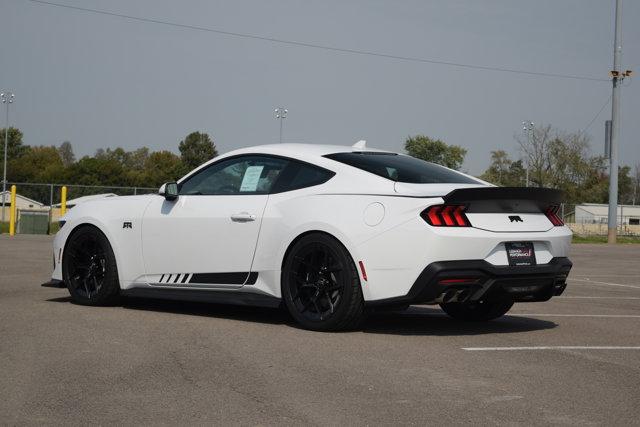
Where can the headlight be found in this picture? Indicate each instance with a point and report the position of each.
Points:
(61, 223)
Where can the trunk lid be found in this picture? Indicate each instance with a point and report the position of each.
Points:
(507, 209)
(497, 209)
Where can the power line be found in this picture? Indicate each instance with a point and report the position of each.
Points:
(322, 47)
(586, 128)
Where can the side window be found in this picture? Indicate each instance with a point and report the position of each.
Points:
(251, 174)
(301, 175)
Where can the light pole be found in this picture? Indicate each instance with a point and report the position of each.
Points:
(281, 113)
(527, 127)
(7, 99)
(617, 76)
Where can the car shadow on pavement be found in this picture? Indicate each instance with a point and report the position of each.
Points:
(433, 321)
(226, 311)
(417, 320)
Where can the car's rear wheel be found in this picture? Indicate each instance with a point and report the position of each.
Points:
(480, 311)
(321, 286)
(89, 267)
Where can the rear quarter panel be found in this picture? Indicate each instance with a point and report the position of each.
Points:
(288, 215)
(394, 251)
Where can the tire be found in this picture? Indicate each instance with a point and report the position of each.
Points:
(89, 268)
(320, 285)
(487, 310)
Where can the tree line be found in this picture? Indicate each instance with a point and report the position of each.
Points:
(554, 158)
(107, 167)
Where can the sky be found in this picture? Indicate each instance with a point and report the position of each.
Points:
(102, 81)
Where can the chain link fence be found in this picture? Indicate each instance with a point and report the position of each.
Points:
(628, 224)
(37, 200)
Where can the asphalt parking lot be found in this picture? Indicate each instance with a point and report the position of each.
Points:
(573, 360)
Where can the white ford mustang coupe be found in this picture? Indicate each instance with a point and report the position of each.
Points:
(329, 232)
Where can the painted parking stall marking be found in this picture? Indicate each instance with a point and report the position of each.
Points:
(552, 347)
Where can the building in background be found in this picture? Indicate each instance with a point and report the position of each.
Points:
(22, 203)
(596, 213)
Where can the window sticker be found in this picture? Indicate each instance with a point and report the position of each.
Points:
(251, 178)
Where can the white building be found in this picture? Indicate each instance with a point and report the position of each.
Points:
(596, 213)
(22, 202)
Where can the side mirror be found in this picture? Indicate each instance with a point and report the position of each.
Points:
(169, 190)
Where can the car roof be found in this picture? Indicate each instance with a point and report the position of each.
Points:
(300, 151)
(310, 153)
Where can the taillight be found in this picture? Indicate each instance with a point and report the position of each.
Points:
(446, 216)
(552, 214)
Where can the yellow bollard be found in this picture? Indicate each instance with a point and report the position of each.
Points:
(63, 200)
(12, 212)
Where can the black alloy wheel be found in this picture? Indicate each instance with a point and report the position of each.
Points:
(89, 267)
(321, 287)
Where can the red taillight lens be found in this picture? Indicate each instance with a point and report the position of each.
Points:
(552, 214)
(446, 216)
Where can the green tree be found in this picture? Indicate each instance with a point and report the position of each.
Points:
(137, 159)
(66, 153)
(636, 184)
(503, 171)
(196, 149)
(560, 160)
(625, 185)
(161, 167)
(435, 151)
(98, 170)
(14, 145)
(37, 165)
(498, 172)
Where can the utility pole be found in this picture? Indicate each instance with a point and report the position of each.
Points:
(281, 113)
(527, 127)
(7, 99)
(617, 77)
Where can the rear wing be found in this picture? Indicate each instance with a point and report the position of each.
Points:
(505, 199)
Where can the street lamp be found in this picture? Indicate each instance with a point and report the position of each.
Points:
(7, 99)
(527, 127)
(281, 114)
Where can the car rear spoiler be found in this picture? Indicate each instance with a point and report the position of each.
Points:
(505, 199)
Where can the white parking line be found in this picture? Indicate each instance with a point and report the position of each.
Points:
(587, 297)
(603, 275)
(552, 347)
(596, 282)
(632, 316)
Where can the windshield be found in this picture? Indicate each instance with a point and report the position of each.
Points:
(401, 168)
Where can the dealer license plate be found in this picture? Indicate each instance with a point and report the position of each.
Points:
(520, 253)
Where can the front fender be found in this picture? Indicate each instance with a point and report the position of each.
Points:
(109, 216)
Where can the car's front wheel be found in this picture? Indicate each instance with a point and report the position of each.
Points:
(321, 286)
(480, 311)
(89, 267)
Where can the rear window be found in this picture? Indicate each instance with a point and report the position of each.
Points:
(301, 175)
(401, 168)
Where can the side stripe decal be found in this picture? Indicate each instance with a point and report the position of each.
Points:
(233, 278)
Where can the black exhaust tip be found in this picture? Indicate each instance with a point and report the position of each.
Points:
(559, 287)
(449, 296)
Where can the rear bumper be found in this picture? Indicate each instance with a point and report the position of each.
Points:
(475, 280)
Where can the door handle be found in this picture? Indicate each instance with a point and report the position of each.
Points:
(243, 217)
